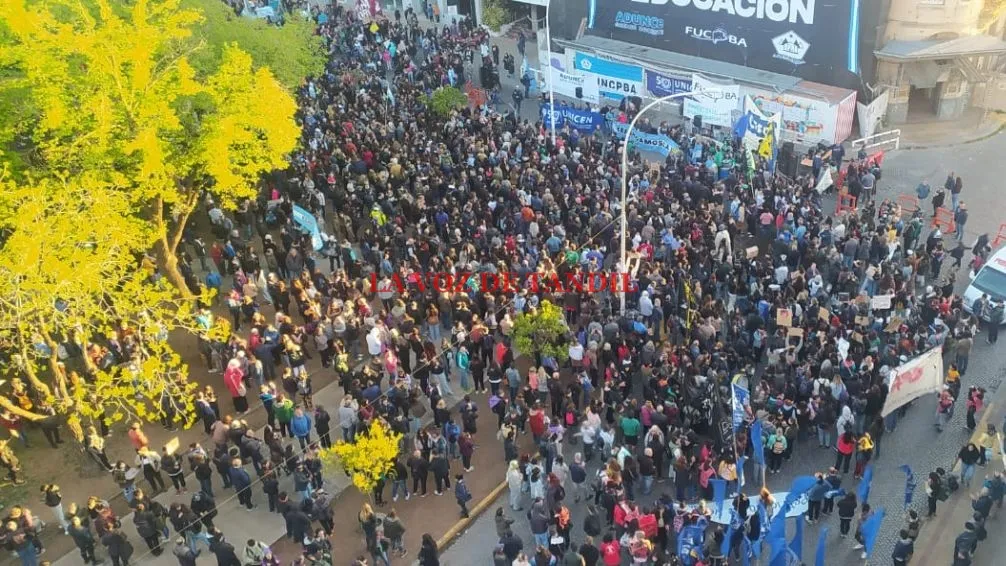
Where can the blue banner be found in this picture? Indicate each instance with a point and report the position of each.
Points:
(909, 484)
(758, 443)
(741, 399)
(691, 541)
(870, 530)
(663, 85)
(309, 224)
(655, 143)
(863, 489)
(583, 120)
(796, 545)
(822, 542)
(719, 493)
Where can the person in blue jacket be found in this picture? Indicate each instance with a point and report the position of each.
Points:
(300, 426)
(242, 483)
(462, 494)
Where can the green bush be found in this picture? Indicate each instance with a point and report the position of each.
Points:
(494, 15)
(446, 99)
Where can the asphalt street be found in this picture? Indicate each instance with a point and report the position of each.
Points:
(915, 441)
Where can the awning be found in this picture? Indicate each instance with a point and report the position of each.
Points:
(657, 58)
(928, 50)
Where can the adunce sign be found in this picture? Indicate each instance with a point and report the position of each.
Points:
(812, 39)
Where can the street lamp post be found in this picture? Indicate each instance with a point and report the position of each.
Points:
(625, 175)
(551, 85)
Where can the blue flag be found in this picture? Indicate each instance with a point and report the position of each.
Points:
(719, 493)
(871, 528)
(741, 127)
(796, 545)
(757, 443)
(822, 542)
(778, 552)
(725, 546)
(863, 489)
(909, 484)
(763, 532)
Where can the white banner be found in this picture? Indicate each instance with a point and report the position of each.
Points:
(567, 80)
(870, 114)
(825, 181)
(715, 102)
(914, 379)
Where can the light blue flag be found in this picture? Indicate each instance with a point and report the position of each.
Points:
(757, 443)
(822, 542)
(796, 545)
(863, 489)
(719, 493)
(778, 555)
(725, 547)
(871, 528)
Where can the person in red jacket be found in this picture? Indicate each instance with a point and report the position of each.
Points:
(846, 445)
(611, 552)
(536, 418)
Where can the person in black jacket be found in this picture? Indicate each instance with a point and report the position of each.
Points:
(441, 469)
(223, 550)
(419, 467)
(322, 425)
(592, 522)
(205, 508)
(846, 513)
(118, 546)
(590, 553)
(84, 540)
(270, 486)
(146, 527)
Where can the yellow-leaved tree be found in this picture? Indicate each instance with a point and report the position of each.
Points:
(367, 460)
(83, 317)
(116, 98)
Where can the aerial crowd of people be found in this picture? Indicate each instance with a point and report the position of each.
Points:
(741, 279)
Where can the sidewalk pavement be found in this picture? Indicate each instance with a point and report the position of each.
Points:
(935, 545)
(237, 523)
(975, 125)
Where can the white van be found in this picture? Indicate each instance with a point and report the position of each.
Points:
(990, 280)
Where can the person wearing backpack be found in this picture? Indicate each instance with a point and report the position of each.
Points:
(777, 448)
(452, 432)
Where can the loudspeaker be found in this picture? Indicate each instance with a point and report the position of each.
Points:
(697, 121)
(579, 92)
(787, 159)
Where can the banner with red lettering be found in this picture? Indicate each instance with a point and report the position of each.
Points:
(912, 380)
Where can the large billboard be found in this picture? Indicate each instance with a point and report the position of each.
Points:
(814, 39)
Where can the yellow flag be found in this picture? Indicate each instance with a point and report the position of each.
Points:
(767, 142)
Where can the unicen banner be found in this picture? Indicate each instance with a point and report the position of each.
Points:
(614, 80)
(655, 143)
(583, 120)
(813, 39)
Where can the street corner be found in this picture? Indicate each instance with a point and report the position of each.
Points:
(461, 525)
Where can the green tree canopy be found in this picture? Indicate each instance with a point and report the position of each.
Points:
(542, 331)
(292, 51)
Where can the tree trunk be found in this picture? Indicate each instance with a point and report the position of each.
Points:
(6, 404)
(169, 263)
